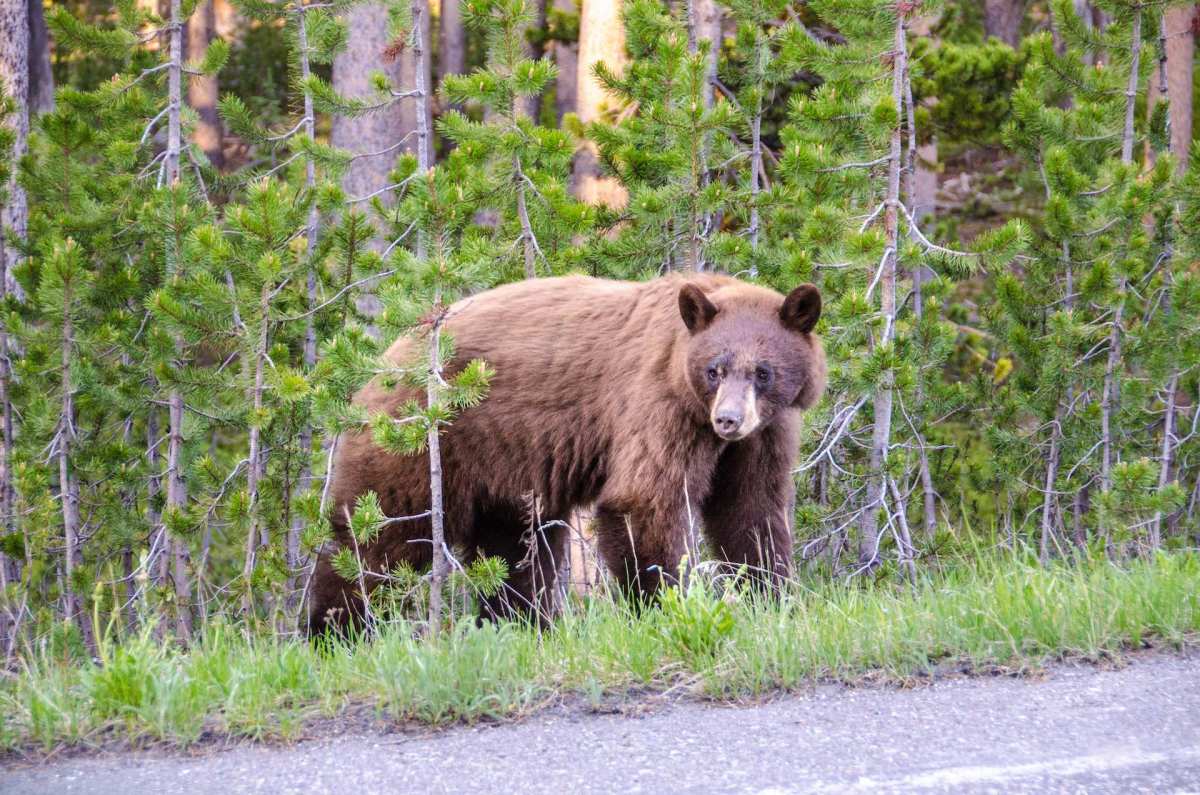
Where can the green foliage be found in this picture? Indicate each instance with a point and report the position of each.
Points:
(695, 621)
(1059, 317)
(971, 85)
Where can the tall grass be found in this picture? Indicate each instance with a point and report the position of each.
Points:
(998, 610)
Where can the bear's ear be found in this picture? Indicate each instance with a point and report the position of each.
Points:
(801, 309)
(695, 308)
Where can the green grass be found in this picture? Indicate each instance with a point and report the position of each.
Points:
(999, 611)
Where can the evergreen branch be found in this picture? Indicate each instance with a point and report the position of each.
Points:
(285, 135)
(385, 151)
(828, 442)
(915, 230)
(150, 127)
(870, 218)
(384, 189)
(339, 294)
(846, 166)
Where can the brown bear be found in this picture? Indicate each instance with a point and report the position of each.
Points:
(662, 405)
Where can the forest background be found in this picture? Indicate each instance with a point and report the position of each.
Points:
(217, 214)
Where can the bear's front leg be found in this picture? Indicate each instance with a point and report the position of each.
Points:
(747, 513)
(641, 547)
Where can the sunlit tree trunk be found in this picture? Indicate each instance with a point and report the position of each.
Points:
(1179, 28)
(203, 90)
(601, 40)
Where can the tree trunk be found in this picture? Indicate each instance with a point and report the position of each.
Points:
(68, 484)
(704, 24)
(176, 487)
(452, 42)
(882, 434)
(14, 72)
(1181, 48)
(535, 50)
(1048, 497)
(566, 57)
(440, 568)
(41, 79)
(229, 22)
(441, 564)
(203, 90)
(1002, 19)
(374, 132)
(256, 536)
(601, 40)
(1111, 393)
(310, 332)
(921, 193)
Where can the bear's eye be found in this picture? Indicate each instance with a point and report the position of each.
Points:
(713, 374)
(762, 375)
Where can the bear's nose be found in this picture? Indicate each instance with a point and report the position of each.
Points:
(728, 421)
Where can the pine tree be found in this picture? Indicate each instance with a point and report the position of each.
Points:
(520, 166)
(842, 162)
(661, 153)
(1104, 259)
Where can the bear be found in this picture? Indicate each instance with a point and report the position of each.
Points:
(660, 405)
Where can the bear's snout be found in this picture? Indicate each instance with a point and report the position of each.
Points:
(727, 422)
(734, 412)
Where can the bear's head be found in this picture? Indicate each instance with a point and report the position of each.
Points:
(751, 353)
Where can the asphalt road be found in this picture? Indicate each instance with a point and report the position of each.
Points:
(1078, 729)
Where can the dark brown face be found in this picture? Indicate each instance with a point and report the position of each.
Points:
(746, 364)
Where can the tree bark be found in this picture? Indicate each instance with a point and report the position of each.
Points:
(68, 483)
(452, 46)
(14, 76)
(1048, 500)
(1181, 49)
(1002, 19)
(882, 432)
(704, 24)
(374, 132)
(440, 568)
(256, 536)
(14, 72)
(41, 79)
(566, 57)
(535, 50)
(176, 486)
(920, 192)
(203, 90)
(310, 332)
(601, 40)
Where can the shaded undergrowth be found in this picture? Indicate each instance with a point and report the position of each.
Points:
(1001, 610)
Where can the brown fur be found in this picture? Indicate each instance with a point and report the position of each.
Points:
(601, 397)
